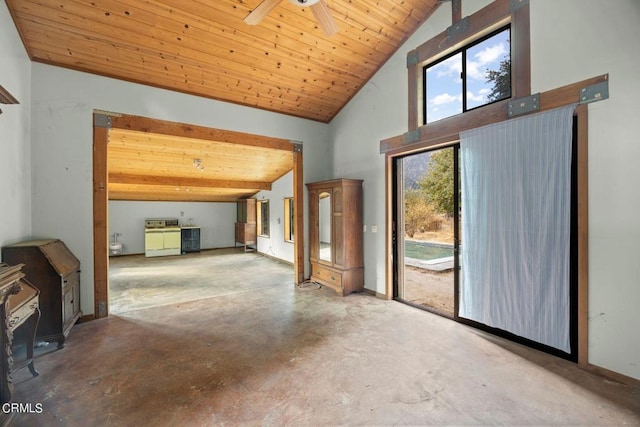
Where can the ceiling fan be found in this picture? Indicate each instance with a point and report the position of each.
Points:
(318, 8)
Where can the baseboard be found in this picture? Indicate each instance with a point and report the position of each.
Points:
(275, 258)
(612, 375)
(375, 293)
(86, 318)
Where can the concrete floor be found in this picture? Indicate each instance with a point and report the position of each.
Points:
(257, 351)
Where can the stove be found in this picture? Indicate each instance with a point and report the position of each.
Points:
(161, 223)
(162, 237)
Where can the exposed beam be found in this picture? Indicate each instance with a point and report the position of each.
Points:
(143, 124)
(448, 130)
(121, 178)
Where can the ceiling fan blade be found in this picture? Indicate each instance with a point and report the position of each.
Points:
(324, 18)
(261, 11)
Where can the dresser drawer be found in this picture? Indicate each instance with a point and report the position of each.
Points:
(22, 313)
(324, 274)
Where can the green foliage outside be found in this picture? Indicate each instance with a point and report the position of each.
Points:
(437, 183)
(501, 79)
(418, 213)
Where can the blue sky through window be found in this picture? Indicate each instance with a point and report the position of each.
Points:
(444, 83)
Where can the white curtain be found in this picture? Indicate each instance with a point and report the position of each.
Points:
(516, 206)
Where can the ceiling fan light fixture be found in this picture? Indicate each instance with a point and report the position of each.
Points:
(304, 3)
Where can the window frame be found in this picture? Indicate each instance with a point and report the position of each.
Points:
(263, 218)
(470, 44)
(289, 223)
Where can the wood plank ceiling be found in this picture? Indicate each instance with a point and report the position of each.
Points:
(153, 166)
(286, 64)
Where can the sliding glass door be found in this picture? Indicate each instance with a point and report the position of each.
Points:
(427, 229)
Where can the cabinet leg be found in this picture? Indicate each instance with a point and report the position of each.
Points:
(31, 341)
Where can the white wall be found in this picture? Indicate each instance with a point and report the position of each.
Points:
(63, 102)
(15, 135)
(216, 221)
(377, 112)
(275, 244)
(569, 43)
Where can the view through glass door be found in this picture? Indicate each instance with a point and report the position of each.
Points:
(427, 230)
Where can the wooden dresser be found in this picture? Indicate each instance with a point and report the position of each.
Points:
(246, 223)
(55, 271)
(335, 234)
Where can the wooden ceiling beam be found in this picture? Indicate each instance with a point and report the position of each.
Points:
(122, 178)
(144, 124)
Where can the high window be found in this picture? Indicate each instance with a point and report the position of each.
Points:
(475, 75)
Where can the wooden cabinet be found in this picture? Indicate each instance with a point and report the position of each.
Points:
(18, 306)
(55, 271)
(335, 234)
(246, 223)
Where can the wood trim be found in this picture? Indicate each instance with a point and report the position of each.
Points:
(521, 51)
(448, 130)
(414, 85)
(100, 222)
(487, 19)
(6, 97)
(144, 124)
(298, 218)
(583, 235)
(482, 22)
(388, 183)
(621, 378)
(121, 178)
(456, 11)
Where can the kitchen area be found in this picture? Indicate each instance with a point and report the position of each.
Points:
(157, 229)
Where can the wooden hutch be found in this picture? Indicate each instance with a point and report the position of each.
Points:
(335, 234)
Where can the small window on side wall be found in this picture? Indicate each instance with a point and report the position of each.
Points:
(471, 77)
(263, 218)
(288, 219)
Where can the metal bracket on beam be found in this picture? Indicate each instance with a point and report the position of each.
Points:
(595, 92)
(297, 146)
(525, 105)
(384, 147)
(412, 136)
(102, 121)
(517, 4)
(412, 58)
(458, 28)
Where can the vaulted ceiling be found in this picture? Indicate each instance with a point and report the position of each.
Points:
(285, 64)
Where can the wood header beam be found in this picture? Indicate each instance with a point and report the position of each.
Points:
(448, 130)
(143, 124)
(119, 178)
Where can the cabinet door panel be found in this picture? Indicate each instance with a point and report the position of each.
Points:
(338, 239)
(68, 304)
(172, 240)
(314, 244)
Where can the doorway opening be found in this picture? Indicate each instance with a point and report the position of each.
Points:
(212, 188)
(427, 200)
(436, 292)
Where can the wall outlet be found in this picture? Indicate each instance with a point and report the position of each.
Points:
(374, 228)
